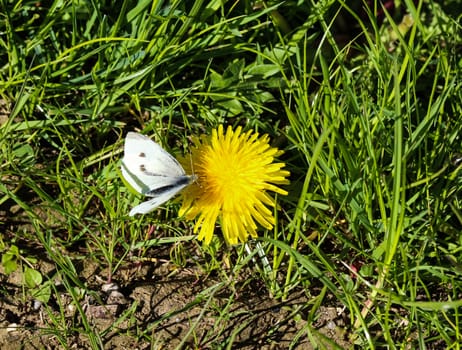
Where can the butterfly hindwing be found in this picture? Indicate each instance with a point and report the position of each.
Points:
(157, 200)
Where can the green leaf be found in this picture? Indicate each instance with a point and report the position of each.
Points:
(9, 265)
(9, 259)
(266, 70)
(42, 294)
(32, 277)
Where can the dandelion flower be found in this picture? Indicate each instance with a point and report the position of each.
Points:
(234, 171)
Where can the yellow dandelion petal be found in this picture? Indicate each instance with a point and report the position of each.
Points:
(234, 170)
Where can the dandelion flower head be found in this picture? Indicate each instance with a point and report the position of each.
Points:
(234, 171)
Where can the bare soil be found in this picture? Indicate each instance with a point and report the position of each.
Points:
(155, 305)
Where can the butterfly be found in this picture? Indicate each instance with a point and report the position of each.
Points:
(152, 171)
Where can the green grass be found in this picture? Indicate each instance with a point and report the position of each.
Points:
(369, 116)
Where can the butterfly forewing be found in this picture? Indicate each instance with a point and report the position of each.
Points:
(147, 166)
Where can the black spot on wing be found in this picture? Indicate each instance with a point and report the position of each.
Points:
(150, 173)
(142, 155)
(145, 171)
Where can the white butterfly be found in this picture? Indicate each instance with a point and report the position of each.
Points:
(152, 171)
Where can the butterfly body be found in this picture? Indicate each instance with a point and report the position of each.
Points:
(151, 171)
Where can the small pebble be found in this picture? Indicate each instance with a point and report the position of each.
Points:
(110, 287)
(36, 305)
(12, 327)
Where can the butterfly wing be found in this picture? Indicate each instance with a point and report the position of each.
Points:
(152, 171)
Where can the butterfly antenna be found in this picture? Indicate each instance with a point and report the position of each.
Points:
(193, 173)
